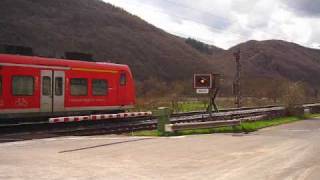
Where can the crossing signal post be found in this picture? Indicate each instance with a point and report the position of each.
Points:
(236, 84)
(207, 84)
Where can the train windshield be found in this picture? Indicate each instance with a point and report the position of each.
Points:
(123, 79)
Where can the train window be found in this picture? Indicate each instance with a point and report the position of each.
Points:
(46, 86)
(58, 86)
(99, 87)
(0, 85)
(79, 87)
(123, 79)
(22, 85)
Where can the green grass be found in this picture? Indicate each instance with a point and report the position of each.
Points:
(312, 116)
(191, 106)
(244, 127)
(187, 104)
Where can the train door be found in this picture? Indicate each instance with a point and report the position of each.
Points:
(122, 88)
(52, 91)
(46, 91)
(58, 94)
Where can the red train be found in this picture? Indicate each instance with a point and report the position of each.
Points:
(35, 86)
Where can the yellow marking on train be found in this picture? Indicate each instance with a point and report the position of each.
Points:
(95, 70)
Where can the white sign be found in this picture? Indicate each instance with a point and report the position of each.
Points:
(202, 91)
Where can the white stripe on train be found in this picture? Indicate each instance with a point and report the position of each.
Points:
(99, 117)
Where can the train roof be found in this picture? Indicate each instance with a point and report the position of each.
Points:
(63, 63)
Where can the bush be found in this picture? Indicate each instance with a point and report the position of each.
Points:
(294, 94)
(294, 98)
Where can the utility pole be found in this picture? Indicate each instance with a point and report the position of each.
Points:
(237, 85)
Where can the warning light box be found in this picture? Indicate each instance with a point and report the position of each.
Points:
(202, 81)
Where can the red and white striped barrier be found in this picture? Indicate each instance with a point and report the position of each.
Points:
(104, 116)
(69, 119)
(135, 114)
(99, 117)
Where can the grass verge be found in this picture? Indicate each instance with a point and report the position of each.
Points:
(244, 127)
(312, 116)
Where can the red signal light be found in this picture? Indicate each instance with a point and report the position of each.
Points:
(203, 81)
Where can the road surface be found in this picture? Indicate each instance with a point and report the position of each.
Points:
(287, 152)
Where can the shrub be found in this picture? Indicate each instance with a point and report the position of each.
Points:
(294, 98)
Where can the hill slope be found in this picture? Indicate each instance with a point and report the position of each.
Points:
(275, 59)
(92, 26)
(111, 34)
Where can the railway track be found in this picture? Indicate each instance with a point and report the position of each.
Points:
(33, 130)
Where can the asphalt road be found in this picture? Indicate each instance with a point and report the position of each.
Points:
(285, 152)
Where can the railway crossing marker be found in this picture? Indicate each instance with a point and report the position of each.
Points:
(207, 84)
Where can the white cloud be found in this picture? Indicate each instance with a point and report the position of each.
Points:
(228, 22)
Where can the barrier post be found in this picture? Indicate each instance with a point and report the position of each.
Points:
(163, 115)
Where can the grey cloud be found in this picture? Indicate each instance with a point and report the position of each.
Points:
(241, 19)
(180, 10)
(315, 36)
(243, 6)
(304, 7)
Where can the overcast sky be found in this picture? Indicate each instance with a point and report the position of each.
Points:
(225, 23)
